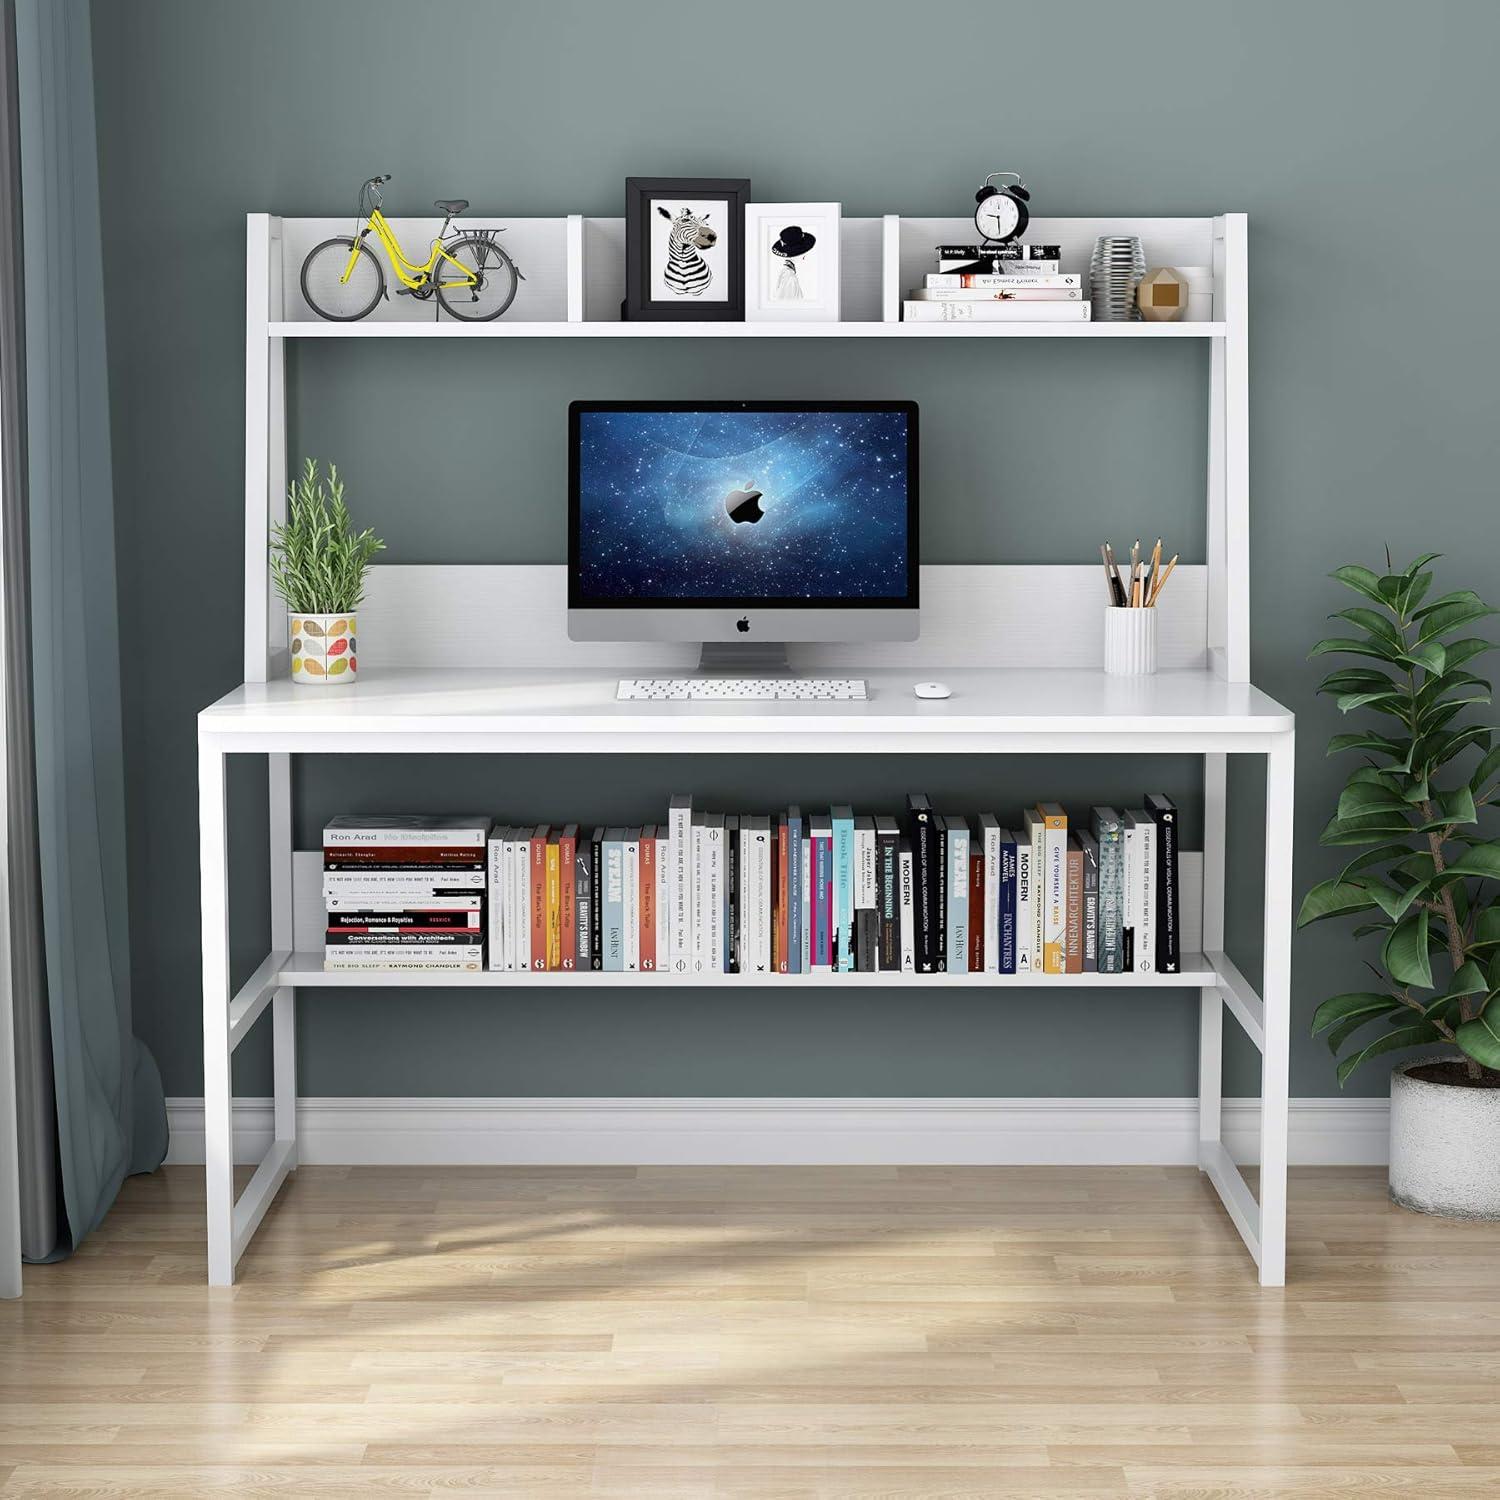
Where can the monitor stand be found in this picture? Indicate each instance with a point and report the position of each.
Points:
(731, 659)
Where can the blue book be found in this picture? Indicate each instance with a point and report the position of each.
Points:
(795, 855)
(613, 904)
(1007, 901)
(843, 888)
(820, 832)
(957, 854)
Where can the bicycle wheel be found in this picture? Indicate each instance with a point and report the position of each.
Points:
(495, 280)
(328, 294)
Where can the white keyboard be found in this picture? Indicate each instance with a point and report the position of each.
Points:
(741, 689)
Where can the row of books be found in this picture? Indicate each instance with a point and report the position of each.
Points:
(998, 283)
(405, 892)
(709, 892)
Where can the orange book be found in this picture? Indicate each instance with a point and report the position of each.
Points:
(537, 896)
(648, 856)
(554, 903)
(567, 850)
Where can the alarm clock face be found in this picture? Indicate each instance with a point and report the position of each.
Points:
(998, 216)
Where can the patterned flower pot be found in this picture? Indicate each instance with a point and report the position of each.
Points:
(322, 649)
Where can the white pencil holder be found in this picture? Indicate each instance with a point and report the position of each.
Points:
(1129, 642)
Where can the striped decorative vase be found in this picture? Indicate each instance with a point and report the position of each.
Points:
(1129, 642)
(322, 649)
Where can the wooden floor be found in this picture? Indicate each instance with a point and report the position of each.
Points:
(758, 1333)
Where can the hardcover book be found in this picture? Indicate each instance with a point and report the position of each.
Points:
(922, 832)
(1035, 826)
(1140, 889)
(554, 902)
(956, 829)
(680, 927)
(906, 920)
(1054, 888)
(630, 918)
(989, 841)
(596, 901)
(360, 829)
(843, 888)
(1025, 902)
(796, 917)
(613, 914)
(976, 905)
(1073, 920)
(1106, 827)
(536, 895)
(1089, 847)
(1168, 916)
(494, 890)
(821, 827)
(887, 903)
(733, 913)
(647, 884)
(1008, 927)
(583, 899)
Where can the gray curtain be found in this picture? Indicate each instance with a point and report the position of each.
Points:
(107, 1113)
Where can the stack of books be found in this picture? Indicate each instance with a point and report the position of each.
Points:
(919, 892)
(998, 284)
(404, 892)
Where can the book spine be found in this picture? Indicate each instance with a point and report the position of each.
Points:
(474, 836)
(401, 937)
(1111, 902)
(376, 958)
(383, 901)
(784, 899)
(401, 856)
(520, 900)
(698, 896)
(596, 902)
(554, 905)
(760, 895)
(888, 879)
(957, 863)
(990, 926)
(495, 926)
(1168, 900)
(409, 919)
(716, 895)
(663, 897)
(1025, 904)
(866, 940)
(583, 901)
(948, 281)
(940, 864)
(976, 909)
(1145, 917)
(906, 914)
(804, 871)
(630, 917)
(400, 886)
(823, 901)
(1055, 920)
(924, 861)
(567, 934)
(796, 917)
(734, 914)
(1014, 293)
(1007, 905)
(613, 915)
(1090, 914)
(537, 900)
(680, 927)
(842, 935)
(1073, 914)
(647, 878)
(995, 312)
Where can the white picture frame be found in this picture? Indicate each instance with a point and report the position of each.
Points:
(792, 262)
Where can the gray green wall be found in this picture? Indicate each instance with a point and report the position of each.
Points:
(1361, 139)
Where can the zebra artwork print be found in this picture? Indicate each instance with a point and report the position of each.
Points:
(687, 273)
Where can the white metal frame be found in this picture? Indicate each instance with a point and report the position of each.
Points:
(236, 727)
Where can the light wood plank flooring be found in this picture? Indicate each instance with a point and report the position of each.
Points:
(757, 1333)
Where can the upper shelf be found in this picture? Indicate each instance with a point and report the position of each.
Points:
(574, 282)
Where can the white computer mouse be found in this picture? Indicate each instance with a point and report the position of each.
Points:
(933, 690)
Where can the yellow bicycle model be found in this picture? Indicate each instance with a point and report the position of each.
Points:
(470, 275)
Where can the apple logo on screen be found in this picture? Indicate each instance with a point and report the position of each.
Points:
(743, 625)
(743, 504)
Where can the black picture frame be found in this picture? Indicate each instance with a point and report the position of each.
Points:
(640, 303)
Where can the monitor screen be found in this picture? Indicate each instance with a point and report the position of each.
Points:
(677, 504)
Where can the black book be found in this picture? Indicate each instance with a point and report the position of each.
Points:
(596, 899)
(414, 916)
(732, 889)
(1163, 813)
(583, 899)
(866, 940)
(940, 923)
(1090, 846)
(926, 859)
(887, 878)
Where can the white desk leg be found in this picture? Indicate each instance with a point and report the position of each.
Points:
(284, 1005)
(1210, 1006)
(218, 1123)
(1276, 991)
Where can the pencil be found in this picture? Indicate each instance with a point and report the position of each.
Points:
(1155, 568)
(1114, 567)
(1162, 581)
(1109, 587)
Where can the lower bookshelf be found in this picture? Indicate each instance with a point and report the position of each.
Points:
(305, 970)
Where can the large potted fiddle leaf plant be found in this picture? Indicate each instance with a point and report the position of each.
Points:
(1420, 811)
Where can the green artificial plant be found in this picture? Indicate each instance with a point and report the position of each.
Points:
(318, 560)
(1418, 806)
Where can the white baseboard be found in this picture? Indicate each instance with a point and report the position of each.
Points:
(863, 1132)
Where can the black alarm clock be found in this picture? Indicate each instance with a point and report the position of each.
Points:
(1002, 215)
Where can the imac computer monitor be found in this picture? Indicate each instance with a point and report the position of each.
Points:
(754, 522)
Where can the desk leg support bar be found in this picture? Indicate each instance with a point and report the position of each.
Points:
(218, 1103)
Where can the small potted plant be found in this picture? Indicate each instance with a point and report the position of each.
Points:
(1419, 810)
(318, 562)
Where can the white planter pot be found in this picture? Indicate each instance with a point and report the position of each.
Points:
(322, 649)
(1445, 1146)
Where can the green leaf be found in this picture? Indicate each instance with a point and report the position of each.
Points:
(1351, 646)
(1356, 679)
(1482, 860)
(1393, 702)
(1458, 596)
(1480, 1038)
(1487, 768)
(1430, 656)
(1467, 649)
(1374, 857)
(1364, 1003)
(1418, 563)
(1416, 1035)
(1454, 806)
(1331, 898)
(1361, 580)
(1405, 955)
(1345, 1029)
(1392, 902)
(1367, 739)
(1468, 979)
(1416, 591)
(1486, 929)
(1377, 624)
(1383, 826)
(1364, 799)
(1438, 619)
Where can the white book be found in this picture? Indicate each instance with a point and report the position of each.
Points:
(866, 886)
(382, 955)
(1025, 903)
(1053, 888)
(1032, 274)
(989, 833)
(715, 892)
(383, 901)
(1035, 826)
(906, 915)
(632, 901)
(680, 955)
(663, 896)
(520, 895)
(995, 312)
(407, 961)
(755, 894)
(1140, 886)
(1012, 293)
(699, 897)
(495, 908)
